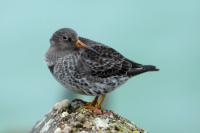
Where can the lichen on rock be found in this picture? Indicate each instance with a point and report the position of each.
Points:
(72, 117)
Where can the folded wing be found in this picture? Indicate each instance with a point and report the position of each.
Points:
(105, 62)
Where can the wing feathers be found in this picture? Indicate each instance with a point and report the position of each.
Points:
(108, 62)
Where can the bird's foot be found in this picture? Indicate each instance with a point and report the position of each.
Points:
(89, 106)
(94, 109)
(95, 105)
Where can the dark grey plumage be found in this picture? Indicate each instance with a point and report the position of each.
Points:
(89, 67)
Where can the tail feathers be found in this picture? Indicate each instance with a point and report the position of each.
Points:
(150, 68)
(141, 69)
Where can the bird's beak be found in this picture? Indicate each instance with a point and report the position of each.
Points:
(80, 44)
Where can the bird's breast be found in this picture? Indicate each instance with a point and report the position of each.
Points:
(65, 71)
(66, 65)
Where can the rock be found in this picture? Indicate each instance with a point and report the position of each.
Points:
(72, 117)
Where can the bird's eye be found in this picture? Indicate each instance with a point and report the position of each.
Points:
(69, 39)
(64, 38)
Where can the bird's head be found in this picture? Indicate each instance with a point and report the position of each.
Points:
(66, 39)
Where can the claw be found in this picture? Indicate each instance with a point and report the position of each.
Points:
(90, 107)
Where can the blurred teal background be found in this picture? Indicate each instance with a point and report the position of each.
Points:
(163, 33)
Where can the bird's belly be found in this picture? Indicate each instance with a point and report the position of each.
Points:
(88, 85)
(104, 85)
(65, 72)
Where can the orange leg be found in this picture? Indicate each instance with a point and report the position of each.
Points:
(95, 101)
(92, 105)
(101, 101)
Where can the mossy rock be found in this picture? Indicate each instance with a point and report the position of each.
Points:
(72, 117)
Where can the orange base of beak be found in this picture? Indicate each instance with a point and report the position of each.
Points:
(80, 44)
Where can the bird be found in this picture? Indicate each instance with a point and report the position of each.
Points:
(89, 67)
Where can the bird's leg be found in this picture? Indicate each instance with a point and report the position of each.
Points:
(95, 104)
(92, 105)
(101, 101)
(95, 101)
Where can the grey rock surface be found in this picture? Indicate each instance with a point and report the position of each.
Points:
(72, 117)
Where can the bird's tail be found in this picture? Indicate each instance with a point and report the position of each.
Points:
(142, 68)
(150, 68)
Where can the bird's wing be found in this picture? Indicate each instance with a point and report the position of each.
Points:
(105, 61)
